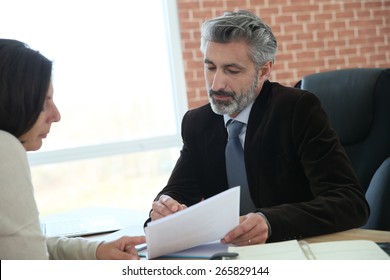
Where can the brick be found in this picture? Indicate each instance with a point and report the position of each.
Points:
(283, 75)
(332, 6)
(327, 53)
(358, 5)
(381, 64)
(306, 55)
(363, 14)
(341, 42)
(316, 26)
(378, 57)
(213, 4)
(359, 60)
(279, 19)
(325, 34)
(348, 33)
(384, 49)
(323, 17)
(300, 9)
(348, 51)
(289, 28)
(283, 56)
(337, 25)
(266, 13)
(187, 5)
(344, 14)
(336, 61)
(305, 36)
(304, 18)
(372, 4)
(305, 64)
(382, 13)
(320, 44)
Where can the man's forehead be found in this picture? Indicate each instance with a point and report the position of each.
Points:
(234, 53)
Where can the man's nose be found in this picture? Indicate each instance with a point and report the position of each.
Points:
(219, 81)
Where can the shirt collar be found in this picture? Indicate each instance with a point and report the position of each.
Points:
(243, 116)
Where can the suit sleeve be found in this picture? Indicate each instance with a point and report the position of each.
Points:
(338, 201)
(183, 184)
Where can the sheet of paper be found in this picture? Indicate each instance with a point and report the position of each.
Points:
(284, 250)
(201, 223)
(136, 230)
(348, 250)
(301, 250)
(204, 251)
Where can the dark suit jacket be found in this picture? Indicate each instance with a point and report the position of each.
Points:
(298, 173)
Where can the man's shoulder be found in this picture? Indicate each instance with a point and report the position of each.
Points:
(202, 113)
(202, 110)
(201, 119)
(281, 94)
(283, 91)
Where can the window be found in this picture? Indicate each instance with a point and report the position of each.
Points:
(119, 85)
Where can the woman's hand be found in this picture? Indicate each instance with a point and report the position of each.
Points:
(120, 249)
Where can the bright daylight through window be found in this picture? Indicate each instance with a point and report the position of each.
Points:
(119, 85)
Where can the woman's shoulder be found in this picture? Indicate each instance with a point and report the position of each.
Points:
(17, 203)
(8, 140)
(12, 151)
(11, 148)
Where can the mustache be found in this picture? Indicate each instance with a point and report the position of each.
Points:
(221, 92)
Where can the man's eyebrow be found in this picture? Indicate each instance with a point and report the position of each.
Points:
(207, 61)
(235, 65)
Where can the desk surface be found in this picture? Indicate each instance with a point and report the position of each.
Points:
(352, 234)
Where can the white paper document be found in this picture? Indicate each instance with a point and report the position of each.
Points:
(201, 223)
(301, 250)
(205, 251)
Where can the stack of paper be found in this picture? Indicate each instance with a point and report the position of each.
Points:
(201, 223)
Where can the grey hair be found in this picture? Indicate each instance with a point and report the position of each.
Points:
(241, 26)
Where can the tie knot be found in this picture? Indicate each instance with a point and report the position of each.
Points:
(234, 128)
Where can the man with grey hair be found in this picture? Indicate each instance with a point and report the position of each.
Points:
(297, 180)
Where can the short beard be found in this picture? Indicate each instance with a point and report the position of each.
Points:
(238, 102)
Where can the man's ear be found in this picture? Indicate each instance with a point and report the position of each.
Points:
(265, 71)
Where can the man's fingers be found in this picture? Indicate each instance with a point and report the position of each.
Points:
(170, 203)
(165, 206)
(251, 230)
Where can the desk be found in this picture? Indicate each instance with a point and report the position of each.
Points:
(352, 234)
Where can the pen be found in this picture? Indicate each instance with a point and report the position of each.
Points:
(141, 247)
(223, 256)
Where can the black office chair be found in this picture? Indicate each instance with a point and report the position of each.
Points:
(357, 102)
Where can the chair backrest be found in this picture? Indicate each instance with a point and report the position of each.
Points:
(357, 102)
(378, 196)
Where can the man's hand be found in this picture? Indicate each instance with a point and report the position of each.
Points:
(120, 249)
(165, 206)
(253, 229)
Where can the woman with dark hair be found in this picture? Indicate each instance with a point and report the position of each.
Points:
(27, 111)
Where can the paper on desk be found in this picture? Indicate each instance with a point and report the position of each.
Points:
(201, 223)
(204, 251)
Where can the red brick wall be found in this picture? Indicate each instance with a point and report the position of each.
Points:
(313, 36)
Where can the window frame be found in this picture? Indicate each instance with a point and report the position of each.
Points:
(145, 144)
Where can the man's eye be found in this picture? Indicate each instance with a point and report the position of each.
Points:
(233, 71)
